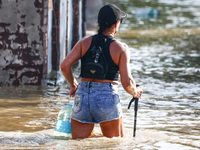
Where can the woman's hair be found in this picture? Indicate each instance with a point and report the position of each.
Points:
(102, 27)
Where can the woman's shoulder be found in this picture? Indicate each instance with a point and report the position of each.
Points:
(85, 43)
(119, 45)
(85, 39)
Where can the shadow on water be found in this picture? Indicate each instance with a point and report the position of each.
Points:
(165, 54)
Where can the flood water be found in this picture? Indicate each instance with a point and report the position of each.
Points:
(165, 61)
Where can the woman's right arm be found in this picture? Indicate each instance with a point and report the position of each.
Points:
(67, 64)
(127, 80)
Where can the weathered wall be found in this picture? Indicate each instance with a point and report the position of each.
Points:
(76, 28)
(23, 40)
(75, 22)
(55, 35)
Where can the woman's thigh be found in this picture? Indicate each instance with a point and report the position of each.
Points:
(81, 130)
(112, 128)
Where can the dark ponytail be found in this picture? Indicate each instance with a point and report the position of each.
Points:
(102, 27)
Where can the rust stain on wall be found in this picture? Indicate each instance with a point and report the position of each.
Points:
(23, 29)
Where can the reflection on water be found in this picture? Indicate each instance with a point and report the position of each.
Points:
(165, 54)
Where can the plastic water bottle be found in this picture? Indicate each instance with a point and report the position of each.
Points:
(63, 125)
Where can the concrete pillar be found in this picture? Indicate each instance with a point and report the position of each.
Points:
(55, 35)
(75, 31)
(83, 18)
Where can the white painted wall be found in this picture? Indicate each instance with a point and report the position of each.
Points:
(49, 67)
(63, 29)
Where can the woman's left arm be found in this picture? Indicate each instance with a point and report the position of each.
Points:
(67, 64)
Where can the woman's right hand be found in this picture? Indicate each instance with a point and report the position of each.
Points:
(73, 91)
(73, 88)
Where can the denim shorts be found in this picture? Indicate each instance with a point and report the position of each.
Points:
(96, 102)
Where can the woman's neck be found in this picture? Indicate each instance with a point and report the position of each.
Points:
(108, 33)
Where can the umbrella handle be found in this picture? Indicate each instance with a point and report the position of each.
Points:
(133, 99)
(135, 116)
(135, 109)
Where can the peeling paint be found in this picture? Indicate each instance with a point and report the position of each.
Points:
(23, 38)
(22, 42)
(6, 57)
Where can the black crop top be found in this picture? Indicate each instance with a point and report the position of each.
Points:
(113, 69)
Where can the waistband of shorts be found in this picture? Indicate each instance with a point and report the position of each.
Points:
(96, 84)
(88, 85)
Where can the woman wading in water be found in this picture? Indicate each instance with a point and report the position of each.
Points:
(96, 98)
